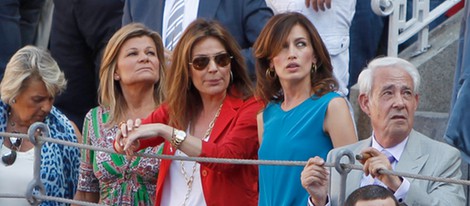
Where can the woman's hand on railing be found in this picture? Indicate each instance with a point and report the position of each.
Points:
(121, 139)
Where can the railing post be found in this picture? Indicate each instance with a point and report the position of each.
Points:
(36, 185)
(343, 172)
(401, 29)
(421, 13)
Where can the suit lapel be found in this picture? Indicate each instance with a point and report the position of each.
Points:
(356, 175)
(207, 9)
(413, 159)
(227, 113)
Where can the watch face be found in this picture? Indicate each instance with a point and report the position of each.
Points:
(180, 135)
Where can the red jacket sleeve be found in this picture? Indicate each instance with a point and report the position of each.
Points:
(160, 115)
(238, 140)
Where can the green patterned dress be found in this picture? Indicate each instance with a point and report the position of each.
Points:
(118, 180)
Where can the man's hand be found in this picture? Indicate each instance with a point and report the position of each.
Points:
(319, 4)
(315, 179)
(374, 163)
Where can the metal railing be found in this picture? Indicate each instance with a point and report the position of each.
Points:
(401, 29)
(36, 193)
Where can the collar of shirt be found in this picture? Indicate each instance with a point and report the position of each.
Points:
(396, 151)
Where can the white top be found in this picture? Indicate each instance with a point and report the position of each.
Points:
(14, 179)
(175, 186)
(190, 14)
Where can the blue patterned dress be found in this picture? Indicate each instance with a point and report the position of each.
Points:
(59, 163)
(294, 135)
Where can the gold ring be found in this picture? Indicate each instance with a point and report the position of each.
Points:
(120, 124)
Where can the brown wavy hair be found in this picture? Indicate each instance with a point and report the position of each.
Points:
(109, 90)
(269, 44)
(183, 99)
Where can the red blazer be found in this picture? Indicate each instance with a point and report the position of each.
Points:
(234, 135)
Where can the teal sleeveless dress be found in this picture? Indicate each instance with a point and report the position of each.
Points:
(294, 135)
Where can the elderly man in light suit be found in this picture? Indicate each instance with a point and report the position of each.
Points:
(389, 96)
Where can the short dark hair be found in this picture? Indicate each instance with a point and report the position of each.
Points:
(369, 192)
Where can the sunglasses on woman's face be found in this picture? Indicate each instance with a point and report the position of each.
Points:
(10, 158)
(201, 62)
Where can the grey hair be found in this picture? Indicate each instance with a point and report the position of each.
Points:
(365, 79)
(28, 63)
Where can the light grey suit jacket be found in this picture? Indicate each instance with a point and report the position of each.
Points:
(421, 155)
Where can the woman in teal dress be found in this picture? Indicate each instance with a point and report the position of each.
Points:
(304, 116)
(130, 75)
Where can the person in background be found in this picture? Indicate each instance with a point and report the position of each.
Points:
(304, 116)
(371, 195)
(388, 94)
(244, 19)
(457, 132)
(31, 82)
(132, 69)
(19, 21)
(80, 31)
(332, 19)
(209, 111)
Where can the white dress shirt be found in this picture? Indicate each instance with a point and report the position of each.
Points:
(190, 14)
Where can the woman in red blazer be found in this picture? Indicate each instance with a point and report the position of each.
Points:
(209, 111)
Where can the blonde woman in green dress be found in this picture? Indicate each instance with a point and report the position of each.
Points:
(131, 71)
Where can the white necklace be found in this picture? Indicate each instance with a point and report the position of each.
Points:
(189, 179)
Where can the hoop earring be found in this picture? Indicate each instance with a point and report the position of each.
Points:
(270, 74)
(231, 76)
(314, 68)
(13, 101)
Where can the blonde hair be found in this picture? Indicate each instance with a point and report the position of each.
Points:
(109, 90)
(30, 63)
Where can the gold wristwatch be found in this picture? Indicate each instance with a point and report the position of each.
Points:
(178, 137)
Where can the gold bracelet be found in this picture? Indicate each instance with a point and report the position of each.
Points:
(172, 141)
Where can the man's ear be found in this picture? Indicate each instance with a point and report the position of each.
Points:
(417, 101)
(363, 100)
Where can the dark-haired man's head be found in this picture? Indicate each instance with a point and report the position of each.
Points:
(371, 195)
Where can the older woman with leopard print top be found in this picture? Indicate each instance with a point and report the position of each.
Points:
(31, 81)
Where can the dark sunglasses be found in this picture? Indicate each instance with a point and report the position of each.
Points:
(201, 62)
(10, 158)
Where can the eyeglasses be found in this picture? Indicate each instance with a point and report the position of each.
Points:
(10, 158)
(201, 62)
